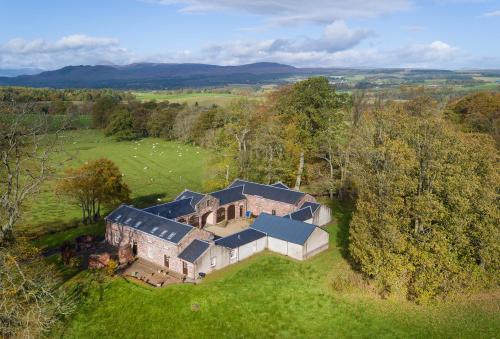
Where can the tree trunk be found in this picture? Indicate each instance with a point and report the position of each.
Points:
(298, 180)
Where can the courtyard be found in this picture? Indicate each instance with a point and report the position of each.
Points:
(233, 226)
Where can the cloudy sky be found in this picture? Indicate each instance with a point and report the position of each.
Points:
(448, 34)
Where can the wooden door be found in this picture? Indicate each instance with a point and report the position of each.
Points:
(184, 268)
(166, 260)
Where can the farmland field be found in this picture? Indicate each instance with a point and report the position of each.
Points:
(154, 169)
(202, 98)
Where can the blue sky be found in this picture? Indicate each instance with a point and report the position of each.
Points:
(315, 33)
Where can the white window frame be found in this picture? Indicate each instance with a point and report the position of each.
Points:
(116, 237)
(213, 261)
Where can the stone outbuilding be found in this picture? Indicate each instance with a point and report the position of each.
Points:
(172, 234)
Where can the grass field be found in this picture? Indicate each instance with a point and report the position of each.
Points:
(272, 296)
(154, 169)
(202, 98)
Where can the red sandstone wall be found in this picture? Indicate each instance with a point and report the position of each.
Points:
(257, 205)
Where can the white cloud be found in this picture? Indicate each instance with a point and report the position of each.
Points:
(293, 11)
(334, 48)
(68, 50)
(490, 14)
(435, 54)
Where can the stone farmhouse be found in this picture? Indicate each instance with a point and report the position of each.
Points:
(174, 235)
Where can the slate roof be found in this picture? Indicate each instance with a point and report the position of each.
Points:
(314, 206)
(196, 197)
(194, 250)
(286, 229)
(301, 215)
(279, 184)
(143, 221)
(229, 195)
(269, 192)
(173, 209)
(241, 238)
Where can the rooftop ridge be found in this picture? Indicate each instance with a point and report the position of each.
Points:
(166, 203)
(268, 185)
(156, 215)
(224, 189)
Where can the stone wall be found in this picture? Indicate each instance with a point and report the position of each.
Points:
(257, 205)
(152, 248)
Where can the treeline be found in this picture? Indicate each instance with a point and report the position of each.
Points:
(28, 94)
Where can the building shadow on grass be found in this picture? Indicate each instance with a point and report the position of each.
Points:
(342, 212)
(149, 200)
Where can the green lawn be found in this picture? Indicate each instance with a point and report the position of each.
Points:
(155, 170)
(272, 296)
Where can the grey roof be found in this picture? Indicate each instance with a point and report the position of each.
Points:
(269, 192)
(239, 239)
(229, 195)
(194, 250)
(301, 215)
(196, 197)
(279, 184)
(314, 205)
(286, 229)
(173, 209)
(143, 221)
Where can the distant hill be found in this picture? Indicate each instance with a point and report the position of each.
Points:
(153, 76)
(12, 72)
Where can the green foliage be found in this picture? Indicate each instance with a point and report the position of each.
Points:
(478, 112)
(95, 184)
(101, 111)
(121, 125)
(426, 219)
(31, 299)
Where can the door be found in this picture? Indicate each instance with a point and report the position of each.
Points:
(184, 268)
(231, 211)
(241, 211)
(166, 261)
(134, 248)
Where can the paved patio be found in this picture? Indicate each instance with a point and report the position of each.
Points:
(152, 274)
(231, 227)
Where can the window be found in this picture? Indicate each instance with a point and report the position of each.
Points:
(117, 238)
(273, 212)
(137, 224)
(171, 236)
(154, 230)
(128, 220)
(118, 217)
(233, 254)
(213, 261)
(163, 233)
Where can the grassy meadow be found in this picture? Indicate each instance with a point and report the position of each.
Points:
(269, 295)
(154, 169)
(202, 98)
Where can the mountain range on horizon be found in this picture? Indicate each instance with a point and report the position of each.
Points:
(172, 76)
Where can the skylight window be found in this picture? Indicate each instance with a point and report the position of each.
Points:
(163, 233)
(128, 220)
(154, 229)
(118, 217)
(171, 236)
(137, 224)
